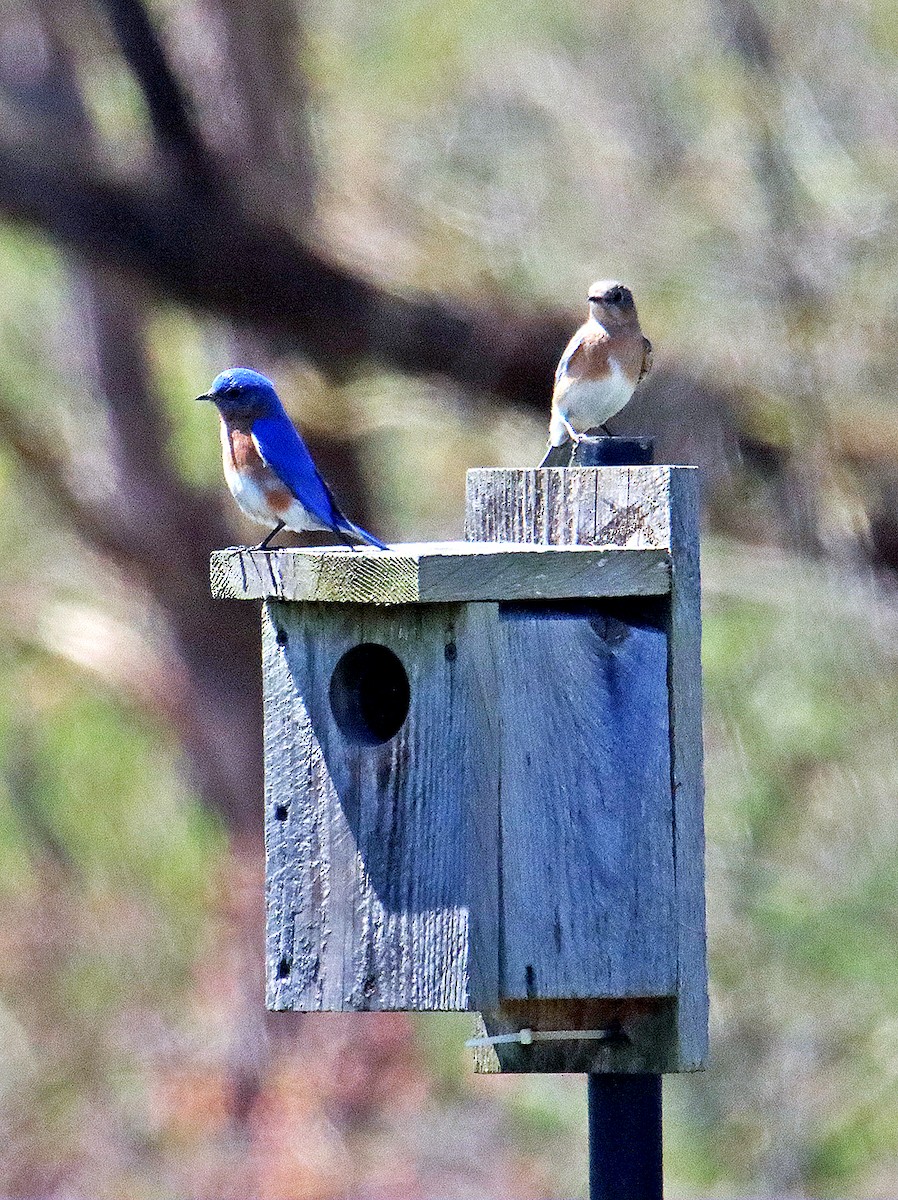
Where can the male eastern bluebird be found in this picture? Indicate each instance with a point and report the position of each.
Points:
(601, 366)
(266, 464)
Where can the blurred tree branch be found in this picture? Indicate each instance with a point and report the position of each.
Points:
(257, 117)
(217, 258)
(156, 529)
(803, 307)
(213, 252)
(167, 103)
(145, 518)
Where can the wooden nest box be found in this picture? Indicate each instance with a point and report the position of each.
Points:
(484, 773)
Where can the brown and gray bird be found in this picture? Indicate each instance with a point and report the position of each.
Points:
(601, 366)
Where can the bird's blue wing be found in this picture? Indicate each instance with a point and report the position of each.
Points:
(285, 452)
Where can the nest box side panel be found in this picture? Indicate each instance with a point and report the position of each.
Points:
(588, 888)
(381, 807)
(685, 635)
(641, 508)
(572, 506)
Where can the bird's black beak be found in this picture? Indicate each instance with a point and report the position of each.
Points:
(205, 396)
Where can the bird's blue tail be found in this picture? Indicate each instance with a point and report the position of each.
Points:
(368, 538)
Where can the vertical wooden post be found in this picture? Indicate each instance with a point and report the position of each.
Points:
(636, 507)
(625, 1110)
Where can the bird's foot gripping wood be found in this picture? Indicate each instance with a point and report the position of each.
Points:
(265, 542)
(573, 435)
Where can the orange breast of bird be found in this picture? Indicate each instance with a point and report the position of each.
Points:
(597, 356)
(248, 463)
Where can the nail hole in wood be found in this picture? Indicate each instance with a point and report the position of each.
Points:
(531, 981)
(280, 812)
(284, 968)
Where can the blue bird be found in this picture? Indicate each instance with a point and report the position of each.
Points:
(266, 464)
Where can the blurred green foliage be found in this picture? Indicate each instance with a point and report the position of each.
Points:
(506, 154)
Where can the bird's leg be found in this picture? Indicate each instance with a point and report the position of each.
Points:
(344, 536)
(575, 437)
(608, 432)
(263, 545)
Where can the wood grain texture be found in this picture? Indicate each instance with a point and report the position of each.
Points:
(529, 842)
(625, 506)
(684, 616)
(587, 839)
(437, 572)
(381, 859)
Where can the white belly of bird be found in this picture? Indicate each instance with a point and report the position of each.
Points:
(250, 496)
(586, 404)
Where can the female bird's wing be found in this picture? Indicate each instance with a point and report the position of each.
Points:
(282, 449)
(569, 351)
(585, 354)
(647, 358)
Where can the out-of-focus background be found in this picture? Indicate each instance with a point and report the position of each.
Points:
(395, 209)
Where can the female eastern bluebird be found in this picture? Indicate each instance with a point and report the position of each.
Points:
(601, 366)
(266, 464)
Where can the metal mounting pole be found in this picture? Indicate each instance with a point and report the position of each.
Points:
(625, 1137)
(625, 1159)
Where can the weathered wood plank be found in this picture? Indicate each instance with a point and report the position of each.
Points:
(627, 507)
(437, 572)
(587, 839)
(635, 507)
(510, 845)
(381, 871)
(684, 617)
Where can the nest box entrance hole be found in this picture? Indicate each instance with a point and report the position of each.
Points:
(369, 694)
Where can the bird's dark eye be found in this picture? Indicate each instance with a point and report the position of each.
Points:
(620, 296)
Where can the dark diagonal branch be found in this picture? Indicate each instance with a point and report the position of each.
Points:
(167, 102)
(215, 258)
